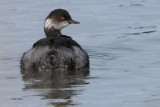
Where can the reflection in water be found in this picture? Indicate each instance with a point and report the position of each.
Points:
(58, 85)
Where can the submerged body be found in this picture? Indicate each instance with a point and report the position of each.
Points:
(55, 53)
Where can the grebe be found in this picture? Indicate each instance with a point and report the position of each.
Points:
(56, 51)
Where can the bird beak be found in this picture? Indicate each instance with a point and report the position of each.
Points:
(73, 22)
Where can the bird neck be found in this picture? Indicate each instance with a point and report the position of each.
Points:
(51, 29)
(52, 32)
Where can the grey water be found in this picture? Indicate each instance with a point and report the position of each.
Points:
(122, 38)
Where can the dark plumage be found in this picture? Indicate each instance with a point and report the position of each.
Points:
(57, 51)
(63, 40)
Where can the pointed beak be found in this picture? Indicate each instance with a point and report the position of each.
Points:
(73, 22)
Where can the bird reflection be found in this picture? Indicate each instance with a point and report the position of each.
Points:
(59, 85)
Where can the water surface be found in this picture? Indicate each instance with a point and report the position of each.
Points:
(121, 38)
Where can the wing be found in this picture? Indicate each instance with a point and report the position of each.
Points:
(63, 40)
(55, 53)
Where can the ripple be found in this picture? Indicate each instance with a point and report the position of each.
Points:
(99, 35)
(136, 5)
(139, 33)
(152, 100)
(142, 27)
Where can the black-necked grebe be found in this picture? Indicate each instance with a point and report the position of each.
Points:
(57, 51)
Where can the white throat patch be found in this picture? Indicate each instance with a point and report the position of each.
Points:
(49, 23)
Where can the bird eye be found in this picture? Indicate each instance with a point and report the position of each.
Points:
(62, 18)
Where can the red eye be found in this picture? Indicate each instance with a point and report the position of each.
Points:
(62, 18)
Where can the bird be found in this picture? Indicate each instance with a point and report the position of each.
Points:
(56, 51)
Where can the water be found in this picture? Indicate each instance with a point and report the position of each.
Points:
(120, 36)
